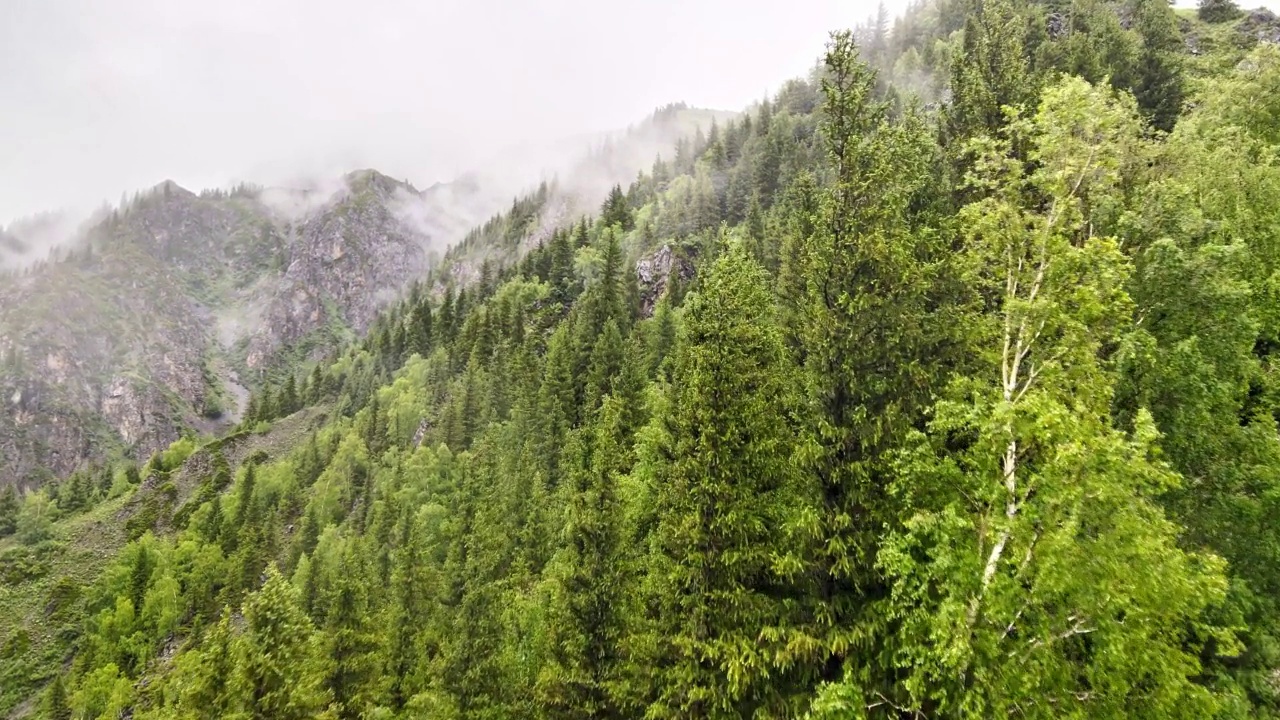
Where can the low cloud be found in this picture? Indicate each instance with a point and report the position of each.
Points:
(103, 98)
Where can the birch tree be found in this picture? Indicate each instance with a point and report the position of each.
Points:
(1035, 574)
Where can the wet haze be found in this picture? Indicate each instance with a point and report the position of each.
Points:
(100, 98)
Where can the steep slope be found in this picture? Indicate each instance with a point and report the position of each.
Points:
(346, 261)
(133, 334)
(799, 424)
(160, 316)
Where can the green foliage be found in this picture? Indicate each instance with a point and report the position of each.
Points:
(34, 523)
(9, 509)
(1061, 503)
(1217, 11)
(948, 412)
(1159, 83)
(278, 672)
(722, 500)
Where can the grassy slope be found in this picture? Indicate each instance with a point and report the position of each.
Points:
(42, 587)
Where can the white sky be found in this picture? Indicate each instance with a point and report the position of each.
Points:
(102, 96)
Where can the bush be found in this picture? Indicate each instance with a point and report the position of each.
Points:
(1216, 11)
(22, 564)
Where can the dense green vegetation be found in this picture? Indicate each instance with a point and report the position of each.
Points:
(967, 411)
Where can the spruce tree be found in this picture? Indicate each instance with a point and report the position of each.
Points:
(878, 331)
(56, 704)
(1159, 85)
(616, 210)
(605, 363)
(352, 646)
(722, 498)
(8, 511)
(209, 690)
(421, 331)
(590, 577)
(289, 400)
(278, 672)
(990, 73)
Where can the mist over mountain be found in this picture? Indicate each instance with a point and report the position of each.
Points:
(939, 381)
(211, 95)
(144, 320)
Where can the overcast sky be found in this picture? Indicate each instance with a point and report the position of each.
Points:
(97, 97)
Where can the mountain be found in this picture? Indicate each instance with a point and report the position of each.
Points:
(159, 317)
(853, 406)
(145, 324)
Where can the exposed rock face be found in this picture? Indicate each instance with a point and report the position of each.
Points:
(134, 335)
(1056, 25)
(93, 361)
(348, 261)
(654, 273)
(1261, 25)
(139, 332)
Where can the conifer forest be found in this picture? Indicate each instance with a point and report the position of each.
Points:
(955, 394)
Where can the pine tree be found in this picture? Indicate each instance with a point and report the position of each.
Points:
(722, 498)
(277, 669)
(8, 511)
(352, 647)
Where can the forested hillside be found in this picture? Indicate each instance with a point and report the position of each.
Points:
(155, 318)
(943, 384)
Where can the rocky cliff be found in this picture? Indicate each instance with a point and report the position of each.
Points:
(132, 332)
(152, 318)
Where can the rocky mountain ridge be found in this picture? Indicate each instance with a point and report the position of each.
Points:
(162, 313)
(135, 333)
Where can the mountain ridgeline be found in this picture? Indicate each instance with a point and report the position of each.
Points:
(941, 384)
(156, 318)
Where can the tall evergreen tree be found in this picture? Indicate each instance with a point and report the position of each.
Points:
(1159, 85)
(278, 670)
(880, 329)
(991, 71)
(589, 575)
(722, 498)
(8, 511)
(352, 648)
(209, 691)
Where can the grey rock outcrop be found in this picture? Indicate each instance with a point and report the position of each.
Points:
(134, 334)
(654, 273)
(1261, 25)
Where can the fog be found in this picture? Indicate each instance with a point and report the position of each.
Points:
(100, 98)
